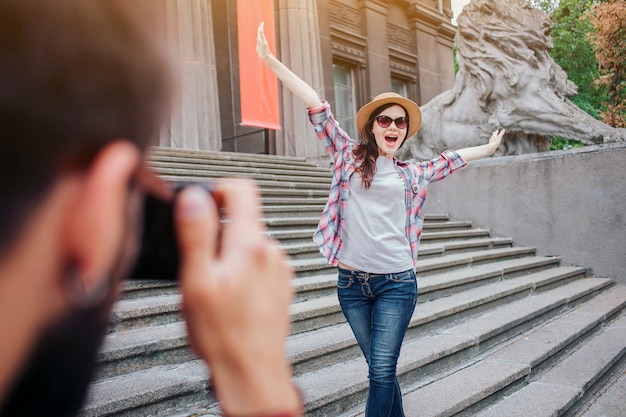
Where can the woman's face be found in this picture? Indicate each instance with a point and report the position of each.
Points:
(390, 138)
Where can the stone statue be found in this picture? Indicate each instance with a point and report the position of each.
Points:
(506, 79)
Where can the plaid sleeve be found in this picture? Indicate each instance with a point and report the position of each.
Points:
(328, 129)
(442, 166)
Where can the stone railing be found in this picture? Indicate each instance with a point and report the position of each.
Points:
(567, 203)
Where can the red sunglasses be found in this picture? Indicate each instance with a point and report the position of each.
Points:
(384, 121)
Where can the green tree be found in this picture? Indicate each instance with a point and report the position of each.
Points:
(609, 41)
(574, 53)
(548, 6)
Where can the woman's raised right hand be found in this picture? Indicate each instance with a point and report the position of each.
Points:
(262, 46)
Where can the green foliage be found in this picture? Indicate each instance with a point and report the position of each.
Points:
(609, 41)
(456, 62)
(559, 143)
(548, 6)
(574, 53)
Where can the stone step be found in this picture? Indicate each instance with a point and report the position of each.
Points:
(309, 249)
(260, 176)
(157, 391)
(287, 211)
(582, 366)
(269, 191)
(437, 285)
(333, 344)
(454, 234)
(304, 234)
(166, 344)
(278, 169)
(163, 309)
(332, 390)
(499, 375)
(492, 318)
(134, 289)
(300, 201)
(302, 187)
(229, 158)
(312, 221)
(307, 267)
(177, 384)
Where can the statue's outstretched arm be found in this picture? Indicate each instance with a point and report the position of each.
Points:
(295, 84)
(482, 151)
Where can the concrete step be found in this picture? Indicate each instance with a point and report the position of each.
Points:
(492, 321)
(499, 376)
(443, 284)
(258, 175)
(226, 158)
(308, 249)
(134, 289)
(343, 386)
(172, 167)
(287, 211)
(335, 341)
(139, 347)
(434, 236)
(307, 267)
(305, 233)
(269, 191)
(294, 184)
(300, 201)
(442, 228)
(163, 309)
(158, 391)
(321, 354)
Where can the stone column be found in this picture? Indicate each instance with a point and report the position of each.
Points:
(299, 49)
(434, 35)
(375, 20)
(195, 120)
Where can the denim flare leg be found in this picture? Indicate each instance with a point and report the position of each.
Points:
(378, 308)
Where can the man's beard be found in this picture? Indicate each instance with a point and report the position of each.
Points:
(56, 377)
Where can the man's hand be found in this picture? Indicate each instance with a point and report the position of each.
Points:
(236, 294)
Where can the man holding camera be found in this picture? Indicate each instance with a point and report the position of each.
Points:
(84, 88)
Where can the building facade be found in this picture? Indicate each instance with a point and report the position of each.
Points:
(348, 50)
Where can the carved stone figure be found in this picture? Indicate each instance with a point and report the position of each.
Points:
(507, 79)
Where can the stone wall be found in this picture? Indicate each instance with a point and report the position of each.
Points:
(570, 204)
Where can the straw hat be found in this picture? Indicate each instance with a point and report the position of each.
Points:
(412, 109)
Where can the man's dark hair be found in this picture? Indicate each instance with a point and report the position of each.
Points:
(74, 75)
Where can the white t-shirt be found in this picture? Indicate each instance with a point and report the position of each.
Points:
(373, 234)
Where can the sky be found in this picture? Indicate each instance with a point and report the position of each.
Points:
(457, 6)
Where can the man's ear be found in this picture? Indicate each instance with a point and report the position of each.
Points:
(96, 225)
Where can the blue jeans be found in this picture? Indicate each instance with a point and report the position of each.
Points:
(378, 308)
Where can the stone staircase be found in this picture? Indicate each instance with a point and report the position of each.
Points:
(498, 331)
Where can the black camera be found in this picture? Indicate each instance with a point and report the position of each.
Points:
(158, 257)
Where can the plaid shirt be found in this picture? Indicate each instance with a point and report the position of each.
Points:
(415, 176)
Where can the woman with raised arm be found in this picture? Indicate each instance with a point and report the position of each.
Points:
(371, 225)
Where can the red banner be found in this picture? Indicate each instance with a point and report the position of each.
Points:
(258, 84)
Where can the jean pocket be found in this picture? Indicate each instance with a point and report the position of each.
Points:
(344, 281)
(407, 276)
